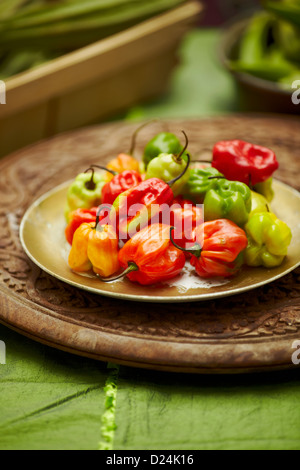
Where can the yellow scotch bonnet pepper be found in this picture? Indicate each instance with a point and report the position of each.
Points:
(268, 240)
(95, 249)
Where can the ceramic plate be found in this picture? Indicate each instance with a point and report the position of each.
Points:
(42, 237)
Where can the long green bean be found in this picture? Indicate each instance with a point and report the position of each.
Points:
(13, 8)
(33, 31)
(64, 10)
(73, 33)
(68, 10)
(18, 62)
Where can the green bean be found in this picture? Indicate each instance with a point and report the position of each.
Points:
(32, 31)
(77, 32)
(20, 61)
(8, 8)
(64, 10)
(76, 9)
(17, 7)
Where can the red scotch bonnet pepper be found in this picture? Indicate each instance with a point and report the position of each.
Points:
(241, 161)
(119, 184)
(218, 249)
(185, 217)
(149, 199)
(77, 218)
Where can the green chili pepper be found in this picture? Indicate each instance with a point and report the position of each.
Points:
(254, 43)
(288, 36)
(228, 200)
(266, 189)
(274, 67)
(288, 10)
(199, 183)
(268, 240)
(17, 62)
(288, 81)
(166, 143)
(167, 167)
(84, 192)
(260, 53)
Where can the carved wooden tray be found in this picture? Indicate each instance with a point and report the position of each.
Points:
(249, 332)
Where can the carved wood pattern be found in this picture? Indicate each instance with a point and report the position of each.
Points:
(28, 295)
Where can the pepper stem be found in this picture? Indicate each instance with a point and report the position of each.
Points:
(170, 183)
(131, 267)
(216, 178)
(114, 173)
(202, 161)
(90, 185)
(99, 213)
(196, 250)
(136, 133)
(250, 182)
(178, 158)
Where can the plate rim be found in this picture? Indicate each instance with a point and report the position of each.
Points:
(143, 298)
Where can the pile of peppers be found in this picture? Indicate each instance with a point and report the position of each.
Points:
(147, 219)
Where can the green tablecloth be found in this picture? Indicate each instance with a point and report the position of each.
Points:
(53, 400)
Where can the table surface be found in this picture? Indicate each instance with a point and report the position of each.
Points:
(54, 400)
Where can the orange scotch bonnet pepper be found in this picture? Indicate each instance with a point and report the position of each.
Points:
(95, 247)
(149, 257)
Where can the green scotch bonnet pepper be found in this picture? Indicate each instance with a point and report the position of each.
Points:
(166, 143)
(84, 192)
(199, 183)
(168, 166)
(228, 200)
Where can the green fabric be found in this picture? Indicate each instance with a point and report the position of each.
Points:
(53, 400)
(49, 399)
(228, 200)
(160, 411)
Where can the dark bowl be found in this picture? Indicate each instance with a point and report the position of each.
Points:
(255, 93)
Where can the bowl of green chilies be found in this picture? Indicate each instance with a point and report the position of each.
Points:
(262, 51)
